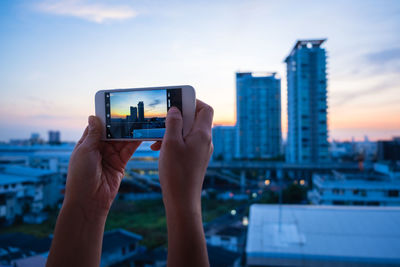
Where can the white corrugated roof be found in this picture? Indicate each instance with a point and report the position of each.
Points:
(361, 234)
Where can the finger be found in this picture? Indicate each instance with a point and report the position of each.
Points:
(118, 145)
(156, 146)
(94, 133)
(204, 117)
(85, 133)
(128, 150)
(173, 125)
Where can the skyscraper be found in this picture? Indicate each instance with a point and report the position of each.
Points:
(258, 107)
(307, 103)
(141, 111)
(134, 114)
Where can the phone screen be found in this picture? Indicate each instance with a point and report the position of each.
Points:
(139, 114)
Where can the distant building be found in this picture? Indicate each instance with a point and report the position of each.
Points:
(231, 238)
(361, 189)
(134, 114)
(258, 107)
(119, 246)
(35, 139)
(18, 249)
(25, 192)
(220, 257)
(54, 137)
(303, 235)
(224, 142)
(307, 103)
(141, 110)
(389, 150)
(389, 168)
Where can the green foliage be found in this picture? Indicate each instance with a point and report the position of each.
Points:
(293, 194)
(146, 218)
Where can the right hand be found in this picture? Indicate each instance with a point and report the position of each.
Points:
(183, 161)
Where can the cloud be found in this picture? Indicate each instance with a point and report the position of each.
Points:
(383, 61)
(94, 12)
(384, 56)
(373, 90)
(154, 103)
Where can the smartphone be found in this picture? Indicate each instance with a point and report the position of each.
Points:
(140, 113)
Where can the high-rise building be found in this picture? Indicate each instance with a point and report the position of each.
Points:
(134, 114)
(307, 103)
(141, 111)
(258, 107)
(224, 142)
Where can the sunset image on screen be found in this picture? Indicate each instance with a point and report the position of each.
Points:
(152, 103)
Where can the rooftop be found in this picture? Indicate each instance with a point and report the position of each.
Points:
(118, 238)
(25, 171)
(323, 233)
(7, 179)
(305, 42)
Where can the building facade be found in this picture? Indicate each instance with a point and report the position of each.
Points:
(307, 103)
(356, 189)
(224, 142)
(258, 107)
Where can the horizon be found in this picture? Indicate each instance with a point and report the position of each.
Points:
(55, 58)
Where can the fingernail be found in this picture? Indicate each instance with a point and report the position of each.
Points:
(91, 122)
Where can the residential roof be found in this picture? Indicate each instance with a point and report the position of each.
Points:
(25, 171)
(221, 257)
(37, 261)
(25, 242)
(324, 233)
(118, 238)
(356, 183)
(7, 179)
(231, 231)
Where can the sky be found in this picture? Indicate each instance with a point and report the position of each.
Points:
(55, 55)
(154, 102)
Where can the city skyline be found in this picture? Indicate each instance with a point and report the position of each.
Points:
(155, 103)
(55, 58)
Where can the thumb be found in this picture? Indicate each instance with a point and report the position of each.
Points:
(95, 132)
(174, 125)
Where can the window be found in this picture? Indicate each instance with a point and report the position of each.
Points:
(132, 247)
(393, 193)
(338, 202)
(123, 251)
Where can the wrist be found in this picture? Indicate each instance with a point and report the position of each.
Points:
(84, 212)
(182, 209)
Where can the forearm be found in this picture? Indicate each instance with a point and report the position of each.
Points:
(186, 241)
(77, 239)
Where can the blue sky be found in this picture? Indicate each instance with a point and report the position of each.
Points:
(54, 56)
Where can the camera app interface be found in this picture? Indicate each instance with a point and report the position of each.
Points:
(139, 114)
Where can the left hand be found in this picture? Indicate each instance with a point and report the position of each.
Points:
(95, 171)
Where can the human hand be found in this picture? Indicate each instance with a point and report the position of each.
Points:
(183, 161)
(95, 171)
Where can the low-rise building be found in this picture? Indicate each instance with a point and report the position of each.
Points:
(230, 238)
(26, 191)
(307, 235)
(363, 188)
(119, 246)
